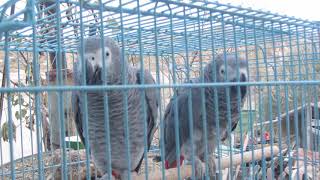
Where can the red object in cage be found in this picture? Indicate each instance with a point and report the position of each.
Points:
(174, 164)
(267, 136)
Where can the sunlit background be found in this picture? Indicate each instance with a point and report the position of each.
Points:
(304, 9)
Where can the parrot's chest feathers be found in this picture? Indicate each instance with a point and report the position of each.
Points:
(117, 110)
(116, 104)
(222, 110)
(117, 78)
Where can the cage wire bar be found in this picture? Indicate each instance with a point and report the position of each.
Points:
(278, 134)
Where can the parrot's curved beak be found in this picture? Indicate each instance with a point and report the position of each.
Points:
(97, 75)
(243, 89)
(97, 71)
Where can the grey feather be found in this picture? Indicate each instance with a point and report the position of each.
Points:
(211, 74)
(97, 132)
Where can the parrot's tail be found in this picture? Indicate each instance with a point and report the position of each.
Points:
(167, 165)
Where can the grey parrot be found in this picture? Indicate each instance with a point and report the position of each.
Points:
(95, 103)
(198, 136)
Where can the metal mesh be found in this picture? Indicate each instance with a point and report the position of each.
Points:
(173, 40)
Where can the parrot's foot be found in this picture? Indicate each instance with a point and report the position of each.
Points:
(199, 168)
(106, 177)
(212, 167)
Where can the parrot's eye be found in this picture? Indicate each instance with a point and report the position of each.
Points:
(92, 58)
(222, 71)
(107, 54)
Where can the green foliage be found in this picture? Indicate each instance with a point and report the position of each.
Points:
(24, 107)
(5, 131)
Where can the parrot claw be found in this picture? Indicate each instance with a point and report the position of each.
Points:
(212, 167)
(200, 169)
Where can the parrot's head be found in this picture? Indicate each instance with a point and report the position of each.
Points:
(231, 69)
(95, 55)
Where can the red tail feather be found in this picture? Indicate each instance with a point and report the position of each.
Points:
(115, 174)
(174, 164)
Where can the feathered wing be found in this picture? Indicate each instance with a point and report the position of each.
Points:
(76, 101)
(169, 132)
(152, 109)
(183, 119)
(235, 120)
(234, 124)
(78, 115)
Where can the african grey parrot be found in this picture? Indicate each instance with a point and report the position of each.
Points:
(211, 110)
(96, 121)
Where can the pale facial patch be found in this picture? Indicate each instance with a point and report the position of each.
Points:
(95, 58)
(242, 70)
(222, 70)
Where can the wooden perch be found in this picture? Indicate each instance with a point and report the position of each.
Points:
(186, 170)
(308, 111)
(291, 114)
(245, 144)
(78, 171)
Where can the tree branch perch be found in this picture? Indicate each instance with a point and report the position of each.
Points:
(170, 174)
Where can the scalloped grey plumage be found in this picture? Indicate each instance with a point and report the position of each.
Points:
(96, 120)
(211, 111)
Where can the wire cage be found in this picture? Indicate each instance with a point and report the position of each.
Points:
(278, 133)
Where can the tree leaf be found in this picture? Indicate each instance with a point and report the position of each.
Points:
(21, 100)
(23, 112)
(17, 115)
(5, 131)
(15, 102)
(25, 104)
(12, 99)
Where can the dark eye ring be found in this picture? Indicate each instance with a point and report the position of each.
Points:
(107, 54)
(222, 71)
(92, 58)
